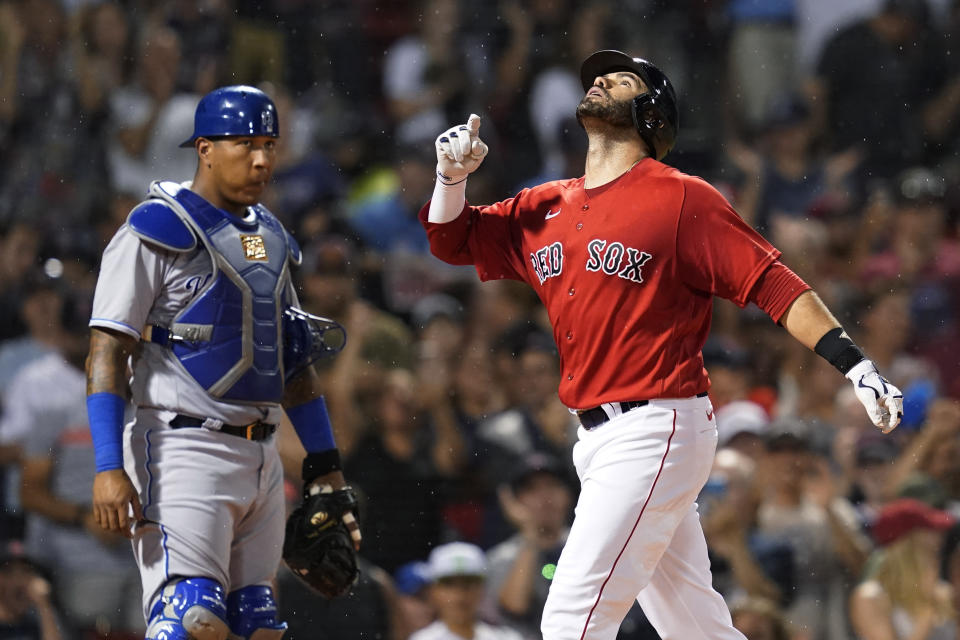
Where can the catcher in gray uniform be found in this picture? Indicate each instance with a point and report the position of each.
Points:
(195, 295)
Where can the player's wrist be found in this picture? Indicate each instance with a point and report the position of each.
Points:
(861, 369)
(318, 464)
(448, 201)
(449, 178)
(838, 349)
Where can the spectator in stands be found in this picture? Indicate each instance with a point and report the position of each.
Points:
(203, 31)
(369, 610)
(103, 53)
(537, 502)
(887, 329)
(395, 464)
(884, 65)
(903, 596)
(27, 611)
(150, 116)
(457, 573)
(798, 507)
(427, 74)
(744, 561)
(760, 619)
(19, 254)
(389, 223)
(874, 457)
(42, 312)
(785, 179)
(96, 578)
(377, 340)
(931, 454)
(742, 426)
(412, 581)
(541, 422)
(762, 52)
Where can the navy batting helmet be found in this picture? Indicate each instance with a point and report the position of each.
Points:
(655, 112)
(238, 110)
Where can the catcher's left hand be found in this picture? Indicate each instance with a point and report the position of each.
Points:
(318, 547)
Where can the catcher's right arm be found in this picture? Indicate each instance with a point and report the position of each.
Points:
(318, 546)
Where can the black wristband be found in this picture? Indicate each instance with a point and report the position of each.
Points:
(320, 463)
(839, 350)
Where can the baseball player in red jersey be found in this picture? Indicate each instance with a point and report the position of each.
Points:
(627, 260)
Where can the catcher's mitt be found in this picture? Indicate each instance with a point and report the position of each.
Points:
(318, 547)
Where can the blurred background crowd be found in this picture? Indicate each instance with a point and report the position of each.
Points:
(832, 127)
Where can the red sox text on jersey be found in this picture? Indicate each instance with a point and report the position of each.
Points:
(625, 262)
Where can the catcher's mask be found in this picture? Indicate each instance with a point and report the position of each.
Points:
(308, 338)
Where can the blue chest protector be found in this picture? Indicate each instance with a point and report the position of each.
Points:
(229, 337)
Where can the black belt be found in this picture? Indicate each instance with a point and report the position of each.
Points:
(253, 431)
(593, 418)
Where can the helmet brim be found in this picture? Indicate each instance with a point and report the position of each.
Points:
(189, 144)
(603, 62)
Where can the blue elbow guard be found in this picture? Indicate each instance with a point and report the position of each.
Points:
(312, 424)
(105, 413)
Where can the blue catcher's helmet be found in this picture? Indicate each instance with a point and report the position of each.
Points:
(238, 110)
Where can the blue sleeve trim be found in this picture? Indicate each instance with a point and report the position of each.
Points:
(123, 327)
(312, 424)
(105, 412)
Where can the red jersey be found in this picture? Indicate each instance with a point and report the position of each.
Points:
(627, 272)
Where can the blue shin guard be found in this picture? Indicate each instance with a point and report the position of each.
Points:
(189, 609)
(252, 614)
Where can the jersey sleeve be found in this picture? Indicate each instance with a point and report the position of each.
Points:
(718, 253)
(486, 237)
(131, 276)
(776, 289)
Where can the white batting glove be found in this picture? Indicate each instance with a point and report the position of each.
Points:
(460, 151)
(882, 400)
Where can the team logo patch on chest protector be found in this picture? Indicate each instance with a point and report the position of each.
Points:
(548, 261)
(615, 259)
(253, 247)
(228, 337)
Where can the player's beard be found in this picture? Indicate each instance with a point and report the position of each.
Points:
(616, 113)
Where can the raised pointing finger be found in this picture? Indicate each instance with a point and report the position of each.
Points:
(473, 124)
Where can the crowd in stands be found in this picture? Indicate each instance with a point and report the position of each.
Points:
(831, 126)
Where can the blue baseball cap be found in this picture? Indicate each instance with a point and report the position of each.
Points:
(238, 110)
(412, 577)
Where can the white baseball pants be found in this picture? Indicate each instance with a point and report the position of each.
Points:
(636, 534)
